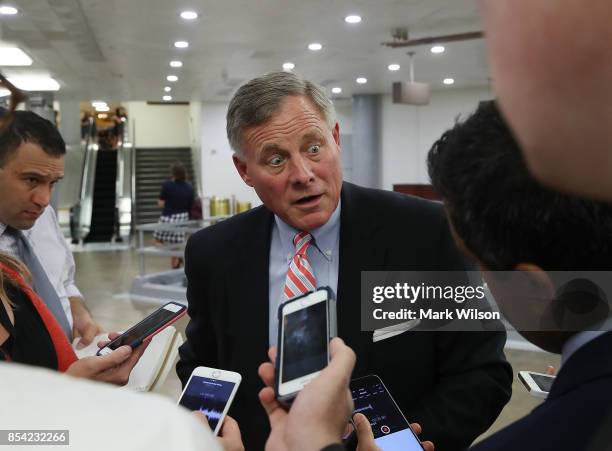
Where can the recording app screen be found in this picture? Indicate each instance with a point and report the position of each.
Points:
(148, 326)
(391, 432)
(209, 396)
(304, 342)
(544, 382)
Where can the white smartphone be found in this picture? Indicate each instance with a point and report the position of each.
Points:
(211, 391)
(306, 325)
(147, 328)
(538, 384)
(391, 430)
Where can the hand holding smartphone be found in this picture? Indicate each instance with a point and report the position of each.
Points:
(147, 328)
(306, 325)
(538, 384)
(210, 391)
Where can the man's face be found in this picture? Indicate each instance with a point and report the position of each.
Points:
(293, 162)
(26, 182)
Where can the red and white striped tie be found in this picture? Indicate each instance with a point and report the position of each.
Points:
(300, 276)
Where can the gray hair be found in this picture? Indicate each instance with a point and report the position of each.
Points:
(259, 99)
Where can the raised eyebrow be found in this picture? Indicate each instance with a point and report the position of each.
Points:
(312, 136)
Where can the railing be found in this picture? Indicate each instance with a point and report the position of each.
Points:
(125, 192)
(80, 213)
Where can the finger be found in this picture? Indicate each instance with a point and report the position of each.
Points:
(201, 418)
(266, 373)
(416, 428)
(342, 362)
(88, 335)
(113, 335)
(550, 370)
(99, 364)
(365, 436)
(230, 433)
(274, 410)
(428, 446)
(272, 352)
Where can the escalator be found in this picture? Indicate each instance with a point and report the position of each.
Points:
(103, 216)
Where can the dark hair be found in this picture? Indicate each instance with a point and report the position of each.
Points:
(502, 214)
(178, 171)
(26, 126)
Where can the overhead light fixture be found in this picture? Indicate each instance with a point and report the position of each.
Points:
(393, 67)
(14, 56)
(172, 78)
(167, 89)
(315, 46)
(352, 19)
(8, 10)
(176, 64)
(35, 82)
(166, 98)
(189, 15)
(438, 49)
(97, 103)
(288, 66)
(449, 81)
(361, 80)
(102, 115)
(102, 109)
(336, 90)
(181, 44)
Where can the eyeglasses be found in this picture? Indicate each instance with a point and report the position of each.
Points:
(17, 96)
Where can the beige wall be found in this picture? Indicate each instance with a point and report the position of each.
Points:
(159, 125)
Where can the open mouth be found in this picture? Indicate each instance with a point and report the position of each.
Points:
(308, 199)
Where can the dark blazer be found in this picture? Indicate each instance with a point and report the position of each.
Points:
(572, 416)
(453, 383)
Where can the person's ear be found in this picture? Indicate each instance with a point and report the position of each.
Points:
(243, 169)
(336, 134)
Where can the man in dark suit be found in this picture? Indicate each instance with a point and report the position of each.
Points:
(520, 226)
(286, 139)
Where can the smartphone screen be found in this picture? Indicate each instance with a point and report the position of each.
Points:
(209, 396)
(544, 382)
(147, 326)
(390, 428)
(304, 342)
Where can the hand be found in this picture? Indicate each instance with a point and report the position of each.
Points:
(319, 413)
(365, 436)
(84, 325)
(230, 438)
(550, 370)
(114, 368)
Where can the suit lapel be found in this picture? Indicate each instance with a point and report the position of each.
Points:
(361, 249)
(248, 300)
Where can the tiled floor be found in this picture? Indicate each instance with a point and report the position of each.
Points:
(105, 277)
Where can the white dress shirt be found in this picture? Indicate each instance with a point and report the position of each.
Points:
(99, 417)
(55, 256)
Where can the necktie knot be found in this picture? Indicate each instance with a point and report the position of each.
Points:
(301, 241)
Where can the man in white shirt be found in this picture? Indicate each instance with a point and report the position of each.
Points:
(31, 163)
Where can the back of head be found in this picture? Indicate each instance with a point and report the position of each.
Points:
(178, 171)
(502, 214)
(257, 100)
(27, 126)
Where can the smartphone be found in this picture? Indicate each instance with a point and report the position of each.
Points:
(538, 384)
(391, 429)
(211, 391)
(306, 325)
(147, 328)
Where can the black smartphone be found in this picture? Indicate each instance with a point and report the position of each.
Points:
(391, 429)
(306, 325)
(147, 328)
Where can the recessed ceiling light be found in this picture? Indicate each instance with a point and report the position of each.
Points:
(288, 66)
(166, 98)
(167, 89)
(189, 15)
(102, 109)
(99, 104)
(176, 64)
(181, 44)
(449, 81)
(393, 67)
(14, 56)
(362, 80)
(172, 78)
(315, 46)
(337, 90)
(34, 82)
(352, 19)
(8, 10)
(438, 49)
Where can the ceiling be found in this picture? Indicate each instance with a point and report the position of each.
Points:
(120, 49)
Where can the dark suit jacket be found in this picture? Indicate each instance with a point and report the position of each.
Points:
(454, 384)
(580, 400)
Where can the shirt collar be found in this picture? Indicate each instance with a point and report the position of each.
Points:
(2, 229)
(579, 339)
(325, 237)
